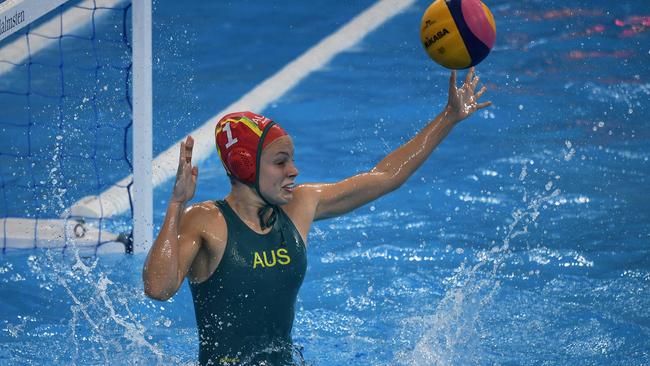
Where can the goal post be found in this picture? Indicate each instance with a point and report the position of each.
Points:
(75, 119)
(142, 121)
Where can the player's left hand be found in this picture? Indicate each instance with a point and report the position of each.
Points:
(463, 101)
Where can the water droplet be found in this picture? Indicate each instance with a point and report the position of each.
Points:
(549, 185)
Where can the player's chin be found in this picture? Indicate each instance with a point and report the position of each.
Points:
(284, 197)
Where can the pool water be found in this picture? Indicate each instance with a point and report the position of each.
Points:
(523, 240)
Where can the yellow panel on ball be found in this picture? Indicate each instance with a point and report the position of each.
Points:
(441, 38)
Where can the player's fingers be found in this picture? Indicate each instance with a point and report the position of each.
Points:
(195, 174)
(475, 82)
(452, 80)
(470, 74)
(480, 92)
(182, 154)
(483, 105)
(189, 145)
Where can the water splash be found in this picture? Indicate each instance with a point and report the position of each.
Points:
(102, 327)
(453, 334)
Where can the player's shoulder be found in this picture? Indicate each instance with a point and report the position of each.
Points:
(204, 214)
(202, 208)
(204, 223)
(307, 190)
(305, 198)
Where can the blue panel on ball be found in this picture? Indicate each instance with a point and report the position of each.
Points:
(476, 49)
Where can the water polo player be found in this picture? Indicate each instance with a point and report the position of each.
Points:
(245, 255)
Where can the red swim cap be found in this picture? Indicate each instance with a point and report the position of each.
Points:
(238, 138)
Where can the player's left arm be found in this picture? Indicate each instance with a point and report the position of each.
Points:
(335, 199)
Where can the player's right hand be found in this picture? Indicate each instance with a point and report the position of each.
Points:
(186, 175)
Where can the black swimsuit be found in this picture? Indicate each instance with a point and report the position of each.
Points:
(245, 309)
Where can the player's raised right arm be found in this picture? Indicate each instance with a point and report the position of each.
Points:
(178, 241)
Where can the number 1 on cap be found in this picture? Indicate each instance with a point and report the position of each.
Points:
(231, 141)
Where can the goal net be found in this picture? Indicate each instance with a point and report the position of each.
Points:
(67, 126)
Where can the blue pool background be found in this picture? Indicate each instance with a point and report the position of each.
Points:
(522, 240)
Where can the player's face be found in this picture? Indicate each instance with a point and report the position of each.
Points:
(278, 171)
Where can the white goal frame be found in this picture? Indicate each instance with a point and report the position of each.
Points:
(15, 15)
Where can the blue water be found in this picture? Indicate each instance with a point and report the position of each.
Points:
(523, 240)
